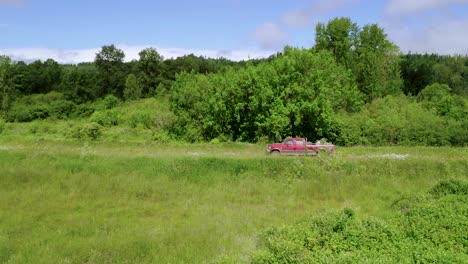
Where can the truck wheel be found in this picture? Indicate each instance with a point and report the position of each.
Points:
(275, 153)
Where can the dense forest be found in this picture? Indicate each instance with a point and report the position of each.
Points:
(353, 87)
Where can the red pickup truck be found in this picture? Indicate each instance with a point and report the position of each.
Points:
(299, 146)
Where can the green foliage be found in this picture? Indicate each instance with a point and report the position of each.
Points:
(105, 118)
(110, 65)
(41, 77)
(437, 223)
(295, 94)
(367, 52)
(147, 113)
(140, 119)
(449, 187)
(9, 79)
(437, 98)
(340, 36)
(84, 110)
(424, 229)
(40, 106)
(419, 71)
(161, 136)
(398, 120)
(61, 109)
(87, 131)
(342, 89)
(132, 89)
(151, 67)
(378, 69)
(141, 202)
(2, 125)
(79, 84)
(110, 101)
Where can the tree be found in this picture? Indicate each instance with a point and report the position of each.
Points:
(80, 84)
(340, 36)
(151, 69)
(8, 83)
(367, 52)
(132, 89)
(378, 68)
(416, 72)
(295, 94)
(450, 70)
(110, 65)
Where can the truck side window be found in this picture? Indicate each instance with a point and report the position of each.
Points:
(300, 142)
(289, 142)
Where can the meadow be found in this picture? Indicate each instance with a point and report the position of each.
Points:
(109, 202)
(162, 160)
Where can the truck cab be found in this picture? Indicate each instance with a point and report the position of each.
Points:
(289, 146)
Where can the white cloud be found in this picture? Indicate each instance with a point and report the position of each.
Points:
(442, 38)
(274, 36)
(408, 7)
(310, 14)
(270, 37)
(131, 53)
(409, 27)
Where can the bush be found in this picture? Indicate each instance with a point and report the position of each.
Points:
(110, 101)
(61, 109)
(425, 229)
(19, 113)
(40, 106)
(161, 136)
(106, 118)
(458, 135)
(398, 121)
(140, 118)
(2, 125)
(449, 187)
(91, 131)
(83, 110)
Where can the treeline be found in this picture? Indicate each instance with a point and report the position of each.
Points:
(353, 87)
(41, 89)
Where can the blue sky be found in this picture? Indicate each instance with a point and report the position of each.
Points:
(73, 31)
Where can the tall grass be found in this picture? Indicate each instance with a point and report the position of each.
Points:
(175, 203)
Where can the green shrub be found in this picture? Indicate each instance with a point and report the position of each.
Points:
(425, 229)
(140, 118)
(106, 118)
(91, 131)
(40, 106)
(61, 109)
(449, 187)
(110, 101)
(161, 136)
(51, 97)
(458, 133)
(396, 120)
(83, 110)
(21, 113)
(2, 125)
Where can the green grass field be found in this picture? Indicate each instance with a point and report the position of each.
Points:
(108, 202)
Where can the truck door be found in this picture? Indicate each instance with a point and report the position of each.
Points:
(289, 146)
(299, 147)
